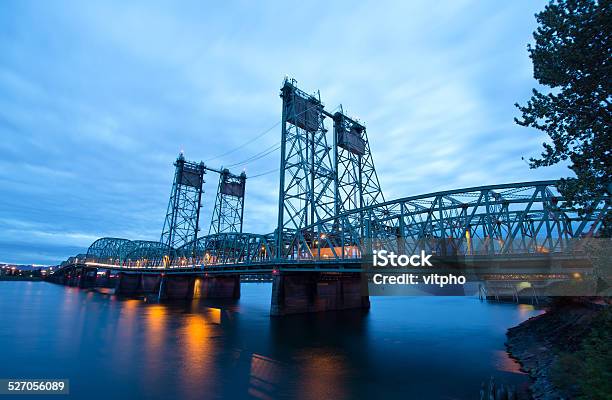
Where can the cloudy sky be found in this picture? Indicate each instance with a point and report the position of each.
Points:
(98, 98)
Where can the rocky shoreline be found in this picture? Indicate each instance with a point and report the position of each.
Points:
(543, 344)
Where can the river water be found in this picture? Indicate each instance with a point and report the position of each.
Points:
(404, 347)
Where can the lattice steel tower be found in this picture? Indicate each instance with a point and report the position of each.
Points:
(306, 192)
(183, 215)
(229, 205)
(356, 183)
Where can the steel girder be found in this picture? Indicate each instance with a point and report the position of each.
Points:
(356, 182)
(145, 253)
(227, 248)
(107, 248)
(73, 260)
(229, 205)
(516, 218)
(498, 220)
(182, 221)
(215, 249)
(306, 193)
(129, 253)
(318, 181)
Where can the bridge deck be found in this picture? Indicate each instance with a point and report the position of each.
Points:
(520, 263)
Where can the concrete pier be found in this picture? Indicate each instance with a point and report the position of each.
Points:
(306, 292)
(105, 280)
(87, 278)
(176, 287)
(127, 284)
(218, 287)
(149, 284)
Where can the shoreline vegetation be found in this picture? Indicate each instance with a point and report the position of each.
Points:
(566, 351)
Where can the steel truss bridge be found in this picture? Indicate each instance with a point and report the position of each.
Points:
(332, 214)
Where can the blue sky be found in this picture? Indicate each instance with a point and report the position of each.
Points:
(98, 98)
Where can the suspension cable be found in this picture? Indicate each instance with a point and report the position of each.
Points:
(255, 157)
(261, 135)
(245, 143)
(264, 173)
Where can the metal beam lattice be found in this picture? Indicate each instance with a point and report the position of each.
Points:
(356, 184)
(182, 221)
(228, 213)
(306, 193)
(497, 220)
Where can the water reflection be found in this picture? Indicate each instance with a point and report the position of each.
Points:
(320, 375)
(402, 348)
(265, 376)
(155, 343)
(198, 356)
(124, 332)
(526, 310)
(214, 315)
(504, 363)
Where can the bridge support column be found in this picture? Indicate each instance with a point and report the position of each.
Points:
(71, 277)
(306, 292)
(68, 277)
(105, 280)
(176, 287)
(217, 287)
(137, 284)
(149, 283)
(88, 277)
(127, 284)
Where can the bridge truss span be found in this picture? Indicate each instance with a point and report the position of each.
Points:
(510, 219)
(232, 248)
(227, 249)
(498, 220)
(117, 252)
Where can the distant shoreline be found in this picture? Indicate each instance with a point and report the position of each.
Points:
(10, 278)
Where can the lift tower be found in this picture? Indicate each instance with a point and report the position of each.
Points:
(229, 206)
(306, 193)
(182, 222)
(356, 183)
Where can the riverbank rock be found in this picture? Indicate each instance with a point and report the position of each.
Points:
(538, 343)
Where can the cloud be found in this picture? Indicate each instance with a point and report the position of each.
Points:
(97, 99)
